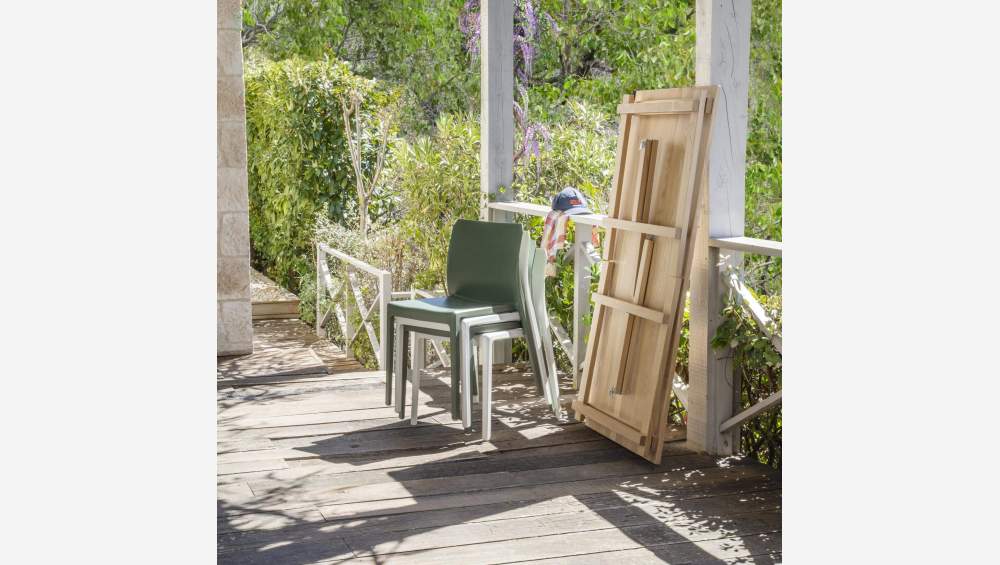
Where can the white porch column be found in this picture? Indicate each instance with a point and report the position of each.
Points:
(496, 115)
(722, 56)
(497, 102)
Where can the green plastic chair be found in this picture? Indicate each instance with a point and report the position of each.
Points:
(485, 264)
(540, 350)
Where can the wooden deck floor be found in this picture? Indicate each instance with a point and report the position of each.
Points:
(314, 468)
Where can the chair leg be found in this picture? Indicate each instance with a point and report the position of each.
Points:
(397, 362)
(402, 335)
(465, 367)
(456, 377)
(419, 347)
(486, 392)
(389, 358)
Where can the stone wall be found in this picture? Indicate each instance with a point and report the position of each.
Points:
(233, 315)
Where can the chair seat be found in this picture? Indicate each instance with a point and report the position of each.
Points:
(445, 309)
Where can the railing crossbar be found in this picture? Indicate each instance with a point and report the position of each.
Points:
(750, 412)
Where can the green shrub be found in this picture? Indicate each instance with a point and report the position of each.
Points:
(297, 160)
(435, 180)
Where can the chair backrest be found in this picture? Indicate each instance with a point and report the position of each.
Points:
(483, 261)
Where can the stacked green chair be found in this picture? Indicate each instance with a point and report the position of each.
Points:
(486, 264)
(534, 330)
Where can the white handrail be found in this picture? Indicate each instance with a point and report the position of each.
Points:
(324, 287)
(748, 244)
(375, 271)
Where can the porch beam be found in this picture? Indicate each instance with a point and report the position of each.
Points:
(722, 57)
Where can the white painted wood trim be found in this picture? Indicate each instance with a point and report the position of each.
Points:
(750, 412)
(358, 263)
(385, 296)
(748, 244)
(722, 58)
(542, 211)
(320, 291)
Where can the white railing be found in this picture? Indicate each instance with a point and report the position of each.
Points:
(576, 348)
(345, 299)
(732, 280)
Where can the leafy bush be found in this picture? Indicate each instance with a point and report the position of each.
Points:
(758, 367)
(435, 181)
(580, 153)
(297, 160)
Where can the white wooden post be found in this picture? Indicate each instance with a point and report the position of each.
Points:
(349, 307)
(385, 295)
(497, 102)
(320, 290)
(496, 49)
(722, 57)
(581, 298)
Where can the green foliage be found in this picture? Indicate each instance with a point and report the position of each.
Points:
(415, 44)
(422, 52)
(581, 154)
(758, 366)
(297, 159)
(293, 28)
(600, 49)
(435, 180)
(763, 177)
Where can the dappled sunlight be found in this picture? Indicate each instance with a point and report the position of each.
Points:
(323, 471)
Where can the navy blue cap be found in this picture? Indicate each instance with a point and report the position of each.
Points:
(570, 201)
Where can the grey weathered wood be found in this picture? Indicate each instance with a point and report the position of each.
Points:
(709, 480)
(598, 523)
(722, 57)
(760, 549)
(292, 488)
(671, 545)
(270, 363)
(540, 210)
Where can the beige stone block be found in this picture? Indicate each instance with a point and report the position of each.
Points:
(232, 144)
(232, 189)
(229, 52)
(229, 98)
(234, 235)
(230, 14)
(235, 328)
(232, 278)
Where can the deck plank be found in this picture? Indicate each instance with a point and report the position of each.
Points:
(314, 468)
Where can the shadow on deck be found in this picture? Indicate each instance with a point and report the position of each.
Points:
(314, 468)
